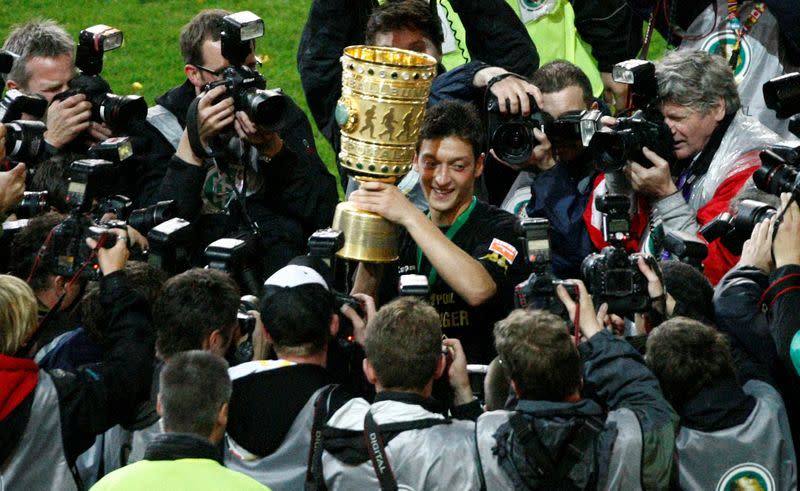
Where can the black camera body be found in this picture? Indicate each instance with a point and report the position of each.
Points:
(613, 149)
(539, 290)
(612, 276)
(782, 94)
(686, 248)
(245, 85)
(511, 135)
(67, 251)
(16, 103)
(120, 113)
(734, 229)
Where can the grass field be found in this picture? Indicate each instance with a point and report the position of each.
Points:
(151, 54)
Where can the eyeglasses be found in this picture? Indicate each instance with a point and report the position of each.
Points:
(218, 73)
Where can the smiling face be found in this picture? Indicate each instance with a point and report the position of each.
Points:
(691, 129)
(447, 168)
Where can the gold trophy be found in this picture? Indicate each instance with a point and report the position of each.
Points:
(384, 94)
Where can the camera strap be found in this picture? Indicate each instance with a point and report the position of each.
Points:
(451, 232)
(377, 454)
(314, 479)
(741, 29)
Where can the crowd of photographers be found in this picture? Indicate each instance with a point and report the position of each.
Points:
(589, 293)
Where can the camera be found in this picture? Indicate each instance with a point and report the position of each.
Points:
(686, 248)
(67, 251)
(237, 256)
(246, 85)
(88, 179)
(33, 203)
(613, 148)
(782, 94)
(734, 229)
(15, 103)
(539, 290)
(170, 244)
(778, 172)
(640, 77)
(325, 243)
(25, 142)
(120, 113)
(611, 275)
(511, 135)
(575, 128)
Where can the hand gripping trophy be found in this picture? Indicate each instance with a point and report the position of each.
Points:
(384, 94)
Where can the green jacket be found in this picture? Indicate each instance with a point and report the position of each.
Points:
(177, 475)
(551, 25)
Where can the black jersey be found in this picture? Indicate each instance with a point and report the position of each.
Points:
(488, 236)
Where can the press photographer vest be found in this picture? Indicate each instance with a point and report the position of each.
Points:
(39, 462)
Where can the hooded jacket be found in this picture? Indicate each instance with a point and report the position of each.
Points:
(633, 450)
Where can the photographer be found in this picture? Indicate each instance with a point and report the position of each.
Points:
(562, 393)
(300, 322)
(716, 147)
(45, 66)
(332, 25)
(755, 305)
(464, 246)
(289, 192)
(767, 34)
(403, 429)
(734, 426)
(557, 180)
(50, 417)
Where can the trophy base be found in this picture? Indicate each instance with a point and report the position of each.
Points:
(368, 237)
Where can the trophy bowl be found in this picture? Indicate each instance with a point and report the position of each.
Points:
(384, 94)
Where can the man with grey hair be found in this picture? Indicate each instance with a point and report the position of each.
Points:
(44, 66)
(716, 148)
(193, 403)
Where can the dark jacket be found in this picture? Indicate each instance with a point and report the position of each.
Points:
(297, 197)
(86, 401)
(634, 447)
(756, 337)
(561, 199)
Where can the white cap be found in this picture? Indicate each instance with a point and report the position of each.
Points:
(295, 275)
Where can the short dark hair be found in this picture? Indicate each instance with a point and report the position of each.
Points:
(415, 15)
(539, 354)
(686, 356)
(691, 290)
(557, 75)
(193, 387)
(25, 247)
(191, 306)
(453, 118)
(52, 175)
(207, 25)
(298, 318)
(404, 343)
(143, 278)
(43, 38)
